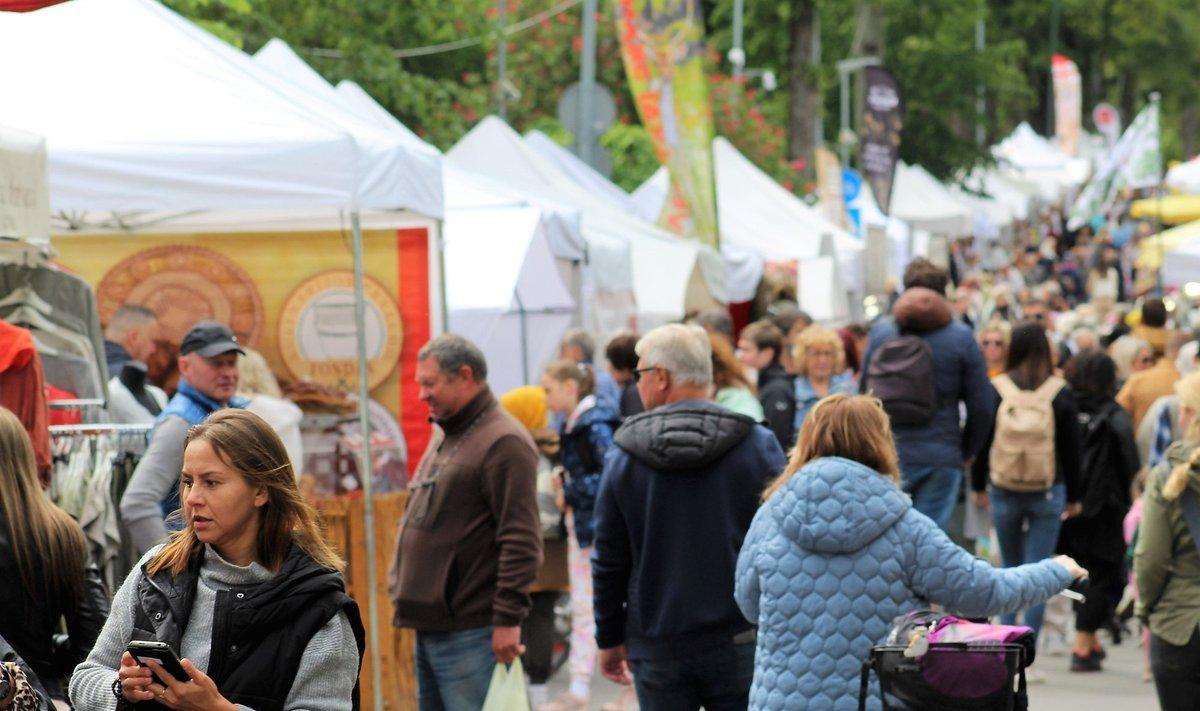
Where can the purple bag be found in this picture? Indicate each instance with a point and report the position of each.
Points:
(965, 675)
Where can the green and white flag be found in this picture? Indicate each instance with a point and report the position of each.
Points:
(1135, 162)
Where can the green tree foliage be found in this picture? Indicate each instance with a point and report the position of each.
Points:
(1124, 48)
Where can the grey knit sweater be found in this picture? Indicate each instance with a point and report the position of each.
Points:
(324, 682)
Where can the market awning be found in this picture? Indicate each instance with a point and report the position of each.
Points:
(24, 191)
(1152, 249)
(1168, 209)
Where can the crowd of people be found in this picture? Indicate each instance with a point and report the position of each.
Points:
(736, 515)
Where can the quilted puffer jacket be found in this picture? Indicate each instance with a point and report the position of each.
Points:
(831, 559)
(585, 440)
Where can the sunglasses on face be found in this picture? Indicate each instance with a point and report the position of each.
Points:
(637, 372)
(988, 342)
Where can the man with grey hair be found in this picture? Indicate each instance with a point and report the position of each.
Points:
(678, 493)
(579, 346)
(470, 541)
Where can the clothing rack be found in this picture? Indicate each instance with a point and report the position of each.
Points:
(76, 404)
(100, 428)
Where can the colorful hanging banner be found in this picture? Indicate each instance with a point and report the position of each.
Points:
(882, 120)
(662, 44)
(1135, 162)
(1068, 104)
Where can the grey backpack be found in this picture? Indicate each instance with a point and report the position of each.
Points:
(901, 376)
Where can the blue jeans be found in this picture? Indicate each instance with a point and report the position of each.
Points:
(934, 491)
(454, 669)
(717, 678)
(1027, 525)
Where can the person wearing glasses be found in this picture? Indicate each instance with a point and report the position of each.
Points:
(679, 489)
(1144, 387)
(470, 541)
(994, 339)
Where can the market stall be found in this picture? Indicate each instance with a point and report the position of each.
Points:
(923, 202)
(178, 194)
(666, 277)
(1167, 209)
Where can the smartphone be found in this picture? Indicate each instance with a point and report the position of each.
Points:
(160, 652)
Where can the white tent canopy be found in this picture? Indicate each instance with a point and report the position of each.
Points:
(759, 220)
(668, 276)
(924, 203)
(1018, 196)
(504, 291)
(582, 173)
(196, 128)
(24, 192)
(650, 196)
(1041, 162)
(398, 156)
(1185, 177)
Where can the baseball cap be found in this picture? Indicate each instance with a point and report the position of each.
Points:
(209, 338)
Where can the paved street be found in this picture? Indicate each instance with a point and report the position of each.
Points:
(1118, 688)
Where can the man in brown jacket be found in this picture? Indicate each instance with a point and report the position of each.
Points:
(470, 542)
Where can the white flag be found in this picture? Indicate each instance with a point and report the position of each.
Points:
(1135, 162)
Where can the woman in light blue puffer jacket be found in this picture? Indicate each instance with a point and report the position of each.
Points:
(837, 552)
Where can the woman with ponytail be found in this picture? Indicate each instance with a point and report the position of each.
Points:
(587, 434)
(1167, 560)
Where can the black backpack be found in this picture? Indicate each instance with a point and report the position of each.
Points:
(1104, 485)
(901, 376)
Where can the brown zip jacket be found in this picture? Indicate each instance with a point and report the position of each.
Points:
(470, 541)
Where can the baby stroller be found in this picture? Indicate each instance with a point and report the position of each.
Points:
(936, 662)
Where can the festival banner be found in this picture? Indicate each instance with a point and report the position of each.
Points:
(882, 120)
(1135, 162)
(1068, 104)
(662, 45)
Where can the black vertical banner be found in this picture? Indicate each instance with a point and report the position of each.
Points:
(879, 131)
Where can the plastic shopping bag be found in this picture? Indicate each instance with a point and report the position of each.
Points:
(507, 690)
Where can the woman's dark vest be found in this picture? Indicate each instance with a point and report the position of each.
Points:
(260, 631)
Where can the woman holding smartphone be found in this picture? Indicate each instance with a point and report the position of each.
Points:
(248, 594)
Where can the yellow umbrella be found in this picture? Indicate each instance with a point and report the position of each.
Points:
(1169, 209)
(1153, 248)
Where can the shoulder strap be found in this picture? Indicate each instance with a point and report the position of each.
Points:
(1050, 389)
(1191, 514)
(1005, 386)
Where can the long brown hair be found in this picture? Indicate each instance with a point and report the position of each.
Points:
(851, 426)
(46, 542)
(727, 371)
(251, 448)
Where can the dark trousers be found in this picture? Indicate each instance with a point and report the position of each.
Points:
(537, 634)
(717, 678)
(1176, 673)
(1105, 584)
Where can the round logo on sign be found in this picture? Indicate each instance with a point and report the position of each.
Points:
(1104, 114)
(182, 285)
(317, 334)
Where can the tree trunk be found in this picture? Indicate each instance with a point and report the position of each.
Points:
(1189, 123)
(804, 96)
(868, 42)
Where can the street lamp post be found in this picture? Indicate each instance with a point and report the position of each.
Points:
(845, 68)
(585, 129)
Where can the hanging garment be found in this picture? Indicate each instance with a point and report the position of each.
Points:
(22, 390)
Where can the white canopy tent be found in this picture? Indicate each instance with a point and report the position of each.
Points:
(760, 220)
(504, 258)
(582, 173)
(650, 196)
(414, 165)
(145, 112)
(1018, 196)
(667, 276)
(1185, 177)
(904, 242)
(24, 190)
(1041, 162)
(924, 203)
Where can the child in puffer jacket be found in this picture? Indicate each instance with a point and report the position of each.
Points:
(837, 552)
(586, 436)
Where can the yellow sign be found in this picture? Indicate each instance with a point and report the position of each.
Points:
(317, 340)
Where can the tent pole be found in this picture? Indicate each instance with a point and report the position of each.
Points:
(524, 337)
(366, 468)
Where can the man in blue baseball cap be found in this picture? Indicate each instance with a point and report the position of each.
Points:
(208, 369)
